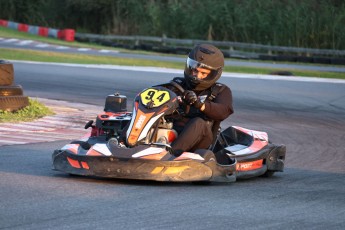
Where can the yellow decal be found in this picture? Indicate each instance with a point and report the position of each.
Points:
(175, 169)
(157, 170)
(157, 97)
(169, 170)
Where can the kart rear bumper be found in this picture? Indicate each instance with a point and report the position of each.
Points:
(271, 159)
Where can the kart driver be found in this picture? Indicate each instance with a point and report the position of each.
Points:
(210, 102)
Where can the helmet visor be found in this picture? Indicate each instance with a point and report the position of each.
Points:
(200, 70)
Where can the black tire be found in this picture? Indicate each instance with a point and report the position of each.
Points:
(13, 103)
(85, 145)
(11, 90)
(6, 73)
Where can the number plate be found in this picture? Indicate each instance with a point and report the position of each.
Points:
(158, 97)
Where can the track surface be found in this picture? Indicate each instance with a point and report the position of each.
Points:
(306, 116)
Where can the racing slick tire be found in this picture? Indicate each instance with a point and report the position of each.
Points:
(13, 103)
(11, 90)
(6, 73)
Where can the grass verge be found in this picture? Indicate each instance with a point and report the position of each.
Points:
(33, 55)
(33, 111)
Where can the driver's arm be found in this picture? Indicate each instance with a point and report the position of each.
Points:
(221, 107)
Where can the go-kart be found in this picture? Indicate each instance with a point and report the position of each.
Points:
(235, 153)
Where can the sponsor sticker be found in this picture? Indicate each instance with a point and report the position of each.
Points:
(140, 121)
(247, 166)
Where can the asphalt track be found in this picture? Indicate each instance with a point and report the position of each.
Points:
(307, 116)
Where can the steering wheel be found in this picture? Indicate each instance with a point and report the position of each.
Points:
(179, 87)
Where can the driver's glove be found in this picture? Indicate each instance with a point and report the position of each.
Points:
(190, 98)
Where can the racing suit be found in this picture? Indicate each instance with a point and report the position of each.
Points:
(197, 128)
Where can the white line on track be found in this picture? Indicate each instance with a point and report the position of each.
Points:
(25, 42)
(83, 49)
(11, 40)
(108, 51)
(62, 47)
(177, 71)
(42, 45)
(104, 51)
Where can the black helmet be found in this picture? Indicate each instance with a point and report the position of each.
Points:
(204, 56)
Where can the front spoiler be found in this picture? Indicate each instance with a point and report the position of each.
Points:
(142, 169)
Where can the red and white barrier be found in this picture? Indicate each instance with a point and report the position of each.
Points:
(64, 34)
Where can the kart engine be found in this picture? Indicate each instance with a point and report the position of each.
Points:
(115, 118)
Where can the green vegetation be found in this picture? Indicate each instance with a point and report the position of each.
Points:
(33, 111)
(298, 23)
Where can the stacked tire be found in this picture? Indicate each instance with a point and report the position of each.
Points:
(11, 96)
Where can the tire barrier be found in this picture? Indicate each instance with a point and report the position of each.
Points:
(11, 96)
(11, 90)
(64, 34)
(6, 73)
(13, 103)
